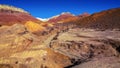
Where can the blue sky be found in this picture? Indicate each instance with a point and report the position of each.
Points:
(48, 8)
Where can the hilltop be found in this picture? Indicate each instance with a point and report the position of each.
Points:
(10, 15)
(11, 8)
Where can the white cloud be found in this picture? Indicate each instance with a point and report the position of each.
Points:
(43, 19)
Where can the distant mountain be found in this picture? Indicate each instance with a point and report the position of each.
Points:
(66, 17)
(62, 16)
(104, 20)
(10, 15)
(84, 15)
(75, 18)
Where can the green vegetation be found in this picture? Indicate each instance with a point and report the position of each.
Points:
(12, 8)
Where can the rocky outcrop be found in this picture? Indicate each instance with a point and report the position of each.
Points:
(14, 39)
(83, 45)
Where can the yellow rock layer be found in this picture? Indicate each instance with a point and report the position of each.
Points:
(33, 27)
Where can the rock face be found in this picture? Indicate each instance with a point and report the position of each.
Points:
(84, 45)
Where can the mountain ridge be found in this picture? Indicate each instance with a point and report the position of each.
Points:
(65, 16)
(105, 19)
